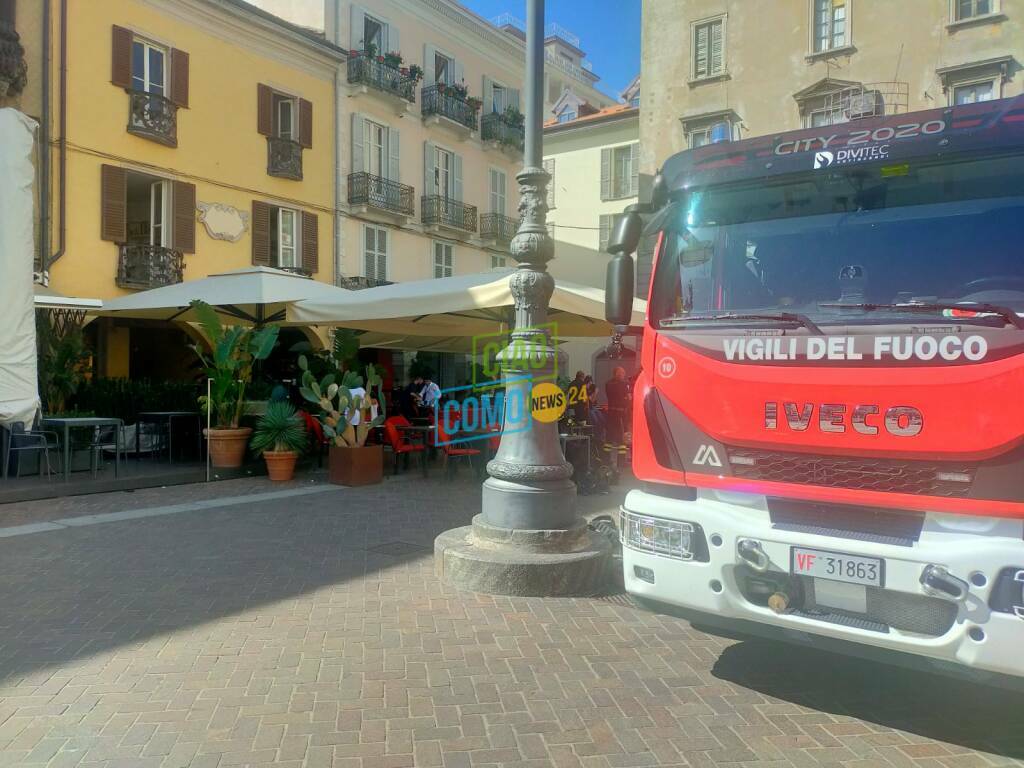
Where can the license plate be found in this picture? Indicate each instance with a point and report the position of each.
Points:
(837, 566)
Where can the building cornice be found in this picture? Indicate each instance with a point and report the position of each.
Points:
(602, 121)
(250, 28)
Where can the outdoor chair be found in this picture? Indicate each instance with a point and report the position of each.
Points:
(401, 445)
(104, 439)
(453, 451)
(17, 440)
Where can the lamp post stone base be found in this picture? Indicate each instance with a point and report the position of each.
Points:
(566, 562)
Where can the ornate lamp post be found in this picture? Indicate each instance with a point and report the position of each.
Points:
(528, 540)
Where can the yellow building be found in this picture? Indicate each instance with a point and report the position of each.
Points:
(189, 137)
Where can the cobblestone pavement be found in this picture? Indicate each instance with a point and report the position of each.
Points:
(310, 631)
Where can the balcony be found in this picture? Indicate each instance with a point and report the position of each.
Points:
(153, 117)
(443, 105)
(502, 131)
(140, 267)
(498, 228)
(284, 158)
(376, 195)
(358, 282)
(444, 213)
(371, 75)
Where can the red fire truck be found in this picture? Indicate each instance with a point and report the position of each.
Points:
(829, 422)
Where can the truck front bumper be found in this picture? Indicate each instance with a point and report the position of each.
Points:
(722, 582)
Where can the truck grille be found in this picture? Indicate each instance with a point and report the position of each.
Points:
(920, 614)
(926, 478)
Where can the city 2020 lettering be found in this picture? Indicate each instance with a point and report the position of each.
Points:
(836, 418)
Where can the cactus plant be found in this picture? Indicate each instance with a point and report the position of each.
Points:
(346, 416)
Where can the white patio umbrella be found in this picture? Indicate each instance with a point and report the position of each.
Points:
(254, 295)
(452, 308)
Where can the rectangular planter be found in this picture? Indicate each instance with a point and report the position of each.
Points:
(356, 466)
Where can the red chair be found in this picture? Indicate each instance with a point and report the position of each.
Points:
(400, 445)
(452, 451)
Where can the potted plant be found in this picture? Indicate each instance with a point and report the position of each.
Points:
(474, 103)
(229, 367)
(459, 90)
(393, 59)
(280, 436)
(347, 416)
(416, 72)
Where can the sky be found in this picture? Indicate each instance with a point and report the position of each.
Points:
(609, 31)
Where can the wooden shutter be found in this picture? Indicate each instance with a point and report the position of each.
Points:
(265, 110)
(716, 63)
(306, 123)
(358, 23)
(700, 62)
(113, 204)
(513, 98)
(310, 242)
(7, 14)
(184, 227)
(606, 174)
(121, 57)
(487, 94)
(260, 234)
(456, 190)
(179, 78)
(358, 129)
(429, 75)
(429, 169)
(634, 167)
(394, 152)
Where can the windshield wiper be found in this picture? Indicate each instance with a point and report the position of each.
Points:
(778, 317)
(980, 308)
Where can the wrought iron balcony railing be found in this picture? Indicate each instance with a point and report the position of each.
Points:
(153, 117)
(284, 158)
(445, 212)
(502, 129)
(358, 282)
(364, 69)
(367, 189)
(440, 99)
(141, 267)
(498, 226)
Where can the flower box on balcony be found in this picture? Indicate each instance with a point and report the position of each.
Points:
(379, 76)
(448, 106)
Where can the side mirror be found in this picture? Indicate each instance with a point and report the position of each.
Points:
(625, 238)
(618, 290)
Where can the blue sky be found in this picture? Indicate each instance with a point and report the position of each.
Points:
(609, 31)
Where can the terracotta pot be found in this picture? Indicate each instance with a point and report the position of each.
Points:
(356, 466)
(227, 446)
(280, 464)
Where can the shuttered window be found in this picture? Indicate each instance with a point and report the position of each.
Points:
(708, 48)
(283, 116)
(183, 227)
(261, 233)
(141, 65)
(497, 181)
(620, 171)
(310, 242)
(443, 266)
(375, 253)
(284, 237)
(549, 167)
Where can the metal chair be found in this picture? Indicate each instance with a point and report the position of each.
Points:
(17, 440)
(105, 439)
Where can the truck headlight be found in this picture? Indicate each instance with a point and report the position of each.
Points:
(657, 535)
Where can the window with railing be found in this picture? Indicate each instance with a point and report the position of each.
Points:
(378, 192)
(376, 72)
(450, 102)
(442, 211)
(287, 122)
(506, 128)
(157, 80)
(498, 227)
(144, 266)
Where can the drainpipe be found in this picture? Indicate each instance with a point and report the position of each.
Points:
(63, 161)
(337, 152)
(44, 153)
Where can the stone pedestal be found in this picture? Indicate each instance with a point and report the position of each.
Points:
(570, 562)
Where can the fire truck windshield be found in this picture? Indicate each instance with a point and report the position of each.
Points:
(947, 230)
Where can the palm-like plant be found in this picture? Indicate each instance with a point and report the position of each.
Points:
(229, 366)
(280, 429)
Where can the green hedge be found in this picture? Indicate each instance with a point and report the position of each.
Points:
(125, 398)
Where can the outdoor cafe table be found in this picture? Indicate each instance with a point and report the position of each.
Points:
(159, 417)
(421, 432)
(65, 425)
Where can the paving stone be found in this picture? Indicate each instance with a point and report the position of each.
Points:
(294, 632)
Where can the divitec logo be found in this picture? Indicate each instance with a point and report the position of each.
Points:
(823, 160)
